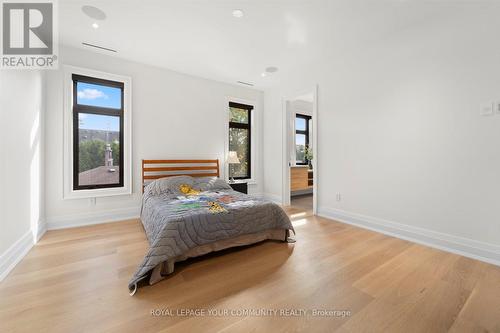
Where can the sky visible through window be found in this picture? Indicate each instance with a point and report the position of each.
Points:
(98, 122)
(300, 124)
(300, 139)
(100, 96)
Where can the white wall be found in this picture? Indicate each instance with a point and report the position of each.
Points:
(21, 151)
(400, 136)
(302, 107)
(174, 116)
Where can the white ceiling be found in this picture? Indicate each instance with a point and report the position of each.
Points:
(202, 38)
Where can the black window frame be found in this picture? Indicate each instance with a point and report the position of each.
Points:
(306, 133)
(104, 111)
(248, 126)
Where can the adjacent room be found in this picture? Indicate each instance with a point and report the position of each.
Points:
(299, 147)
(249, 166)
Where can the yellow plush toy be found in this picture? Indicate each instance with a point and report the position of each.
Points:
(188, 190)
(215, 207)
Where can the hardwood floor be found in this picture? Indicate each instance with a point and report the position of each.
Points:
(302, 201)
(75, 280)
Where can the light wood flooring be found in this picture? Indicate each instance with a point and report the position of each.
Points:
(75, 280)
(304, 202)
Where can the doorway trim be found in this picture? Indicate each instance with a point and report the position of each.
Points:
(286, 156)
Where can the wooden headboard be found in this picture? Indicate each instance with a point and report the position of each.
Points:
(155, 169)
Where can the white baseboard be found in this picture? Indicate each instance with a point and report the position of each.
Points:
(41, 230)
(19, 249)
(486, 252)
(273, 197)
(80, 220)
(10, 258)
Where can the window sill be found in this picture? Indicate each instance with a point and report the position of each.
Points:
(97, 193)
(242, 181)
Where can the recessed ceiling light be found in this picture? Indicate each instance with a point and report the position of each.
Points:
(95, 25)
(271, 69)
(238, 13)
(94, 12)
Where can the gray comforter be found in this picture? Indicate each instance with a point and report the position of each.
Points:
(175, 222)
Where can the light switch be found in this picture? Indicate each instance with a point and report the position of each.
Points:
(486, 109)
(497, 107)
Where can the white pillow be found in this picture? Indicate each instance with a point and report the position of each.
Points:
(210, 184)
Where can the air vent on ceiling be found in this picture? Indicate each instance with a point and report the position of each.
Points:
(245, 83)
(99, 47)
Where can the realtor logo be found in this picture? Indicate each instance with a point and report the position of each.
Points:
(28, 35)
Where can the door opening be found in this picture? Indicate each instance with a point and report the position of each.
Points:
(300, 151)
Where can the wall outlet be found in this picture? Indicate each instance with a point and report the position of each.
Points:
(338, 197)
(486, 109)
(497, 107)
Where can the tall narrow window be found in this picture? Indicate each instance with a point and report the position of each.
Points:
(240, 120)
(98, 127)
(301, 138)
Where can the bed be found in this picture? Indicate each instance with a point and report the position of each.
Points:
(188, 211)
